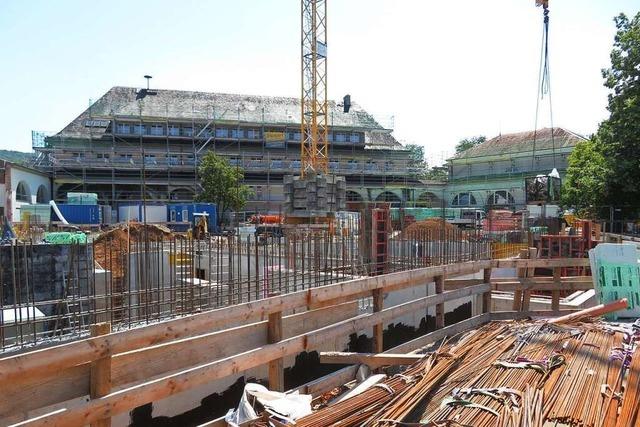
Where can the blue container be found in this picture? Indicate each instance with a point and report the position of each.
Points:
(79, 214)
(184, 213)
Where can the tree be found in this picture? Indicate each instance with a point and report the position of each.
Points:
(467, 143)
(222, 184)
(587, 175)
(416, 156)
(606, 170)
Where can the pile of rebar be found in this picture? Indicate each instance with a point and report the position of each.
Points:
(508, 374)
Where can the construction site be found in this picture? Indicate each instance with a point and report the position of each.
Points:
(356, 292)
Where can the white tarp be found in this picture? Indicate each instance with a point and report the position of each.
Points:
(290, 406)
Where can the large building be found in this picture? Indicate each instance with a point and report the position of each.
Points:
(132, 142)
(492, 174)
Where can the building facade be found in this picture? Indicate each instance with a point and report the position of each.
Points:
(492, 174)
(138, 143)
(20, 185)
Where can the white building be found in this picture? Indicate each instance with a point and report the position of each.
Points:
(20, 185)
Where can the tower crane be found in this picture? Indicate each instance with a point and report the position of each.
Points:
(313, 99)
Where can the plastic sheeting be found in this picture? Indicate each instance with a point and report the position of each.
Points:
(65, 238)
(289, 407)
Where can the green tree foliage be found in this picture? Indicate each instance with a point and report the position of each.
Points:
(222, 184)
(587, 175)
(606, 170)
(467, 143)
(416, 156)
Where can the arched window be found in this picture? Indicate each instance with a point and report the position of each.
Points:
(43, 195)
(463, 199)
(353, 196)
(500, 198)
(388, 196)
(22, 192)
(427, 200)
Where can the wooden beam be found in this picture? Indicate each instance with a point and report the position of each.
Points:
(540, 263)
(276, 366)
(450, 284)
(129, 398)
(100, 382)
(378, 306)
(54, 359)
(439, 282)
(137, 366)
(521, 272)
(521, 285)
(486, 297)
(373, 360)
(447, 331)
(555, 295)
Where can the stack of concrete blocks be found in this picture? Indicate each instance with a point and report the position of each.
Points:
(315, 195)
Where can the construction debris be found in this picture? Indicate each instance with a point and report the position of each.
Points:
(431, 227)
(511, 374)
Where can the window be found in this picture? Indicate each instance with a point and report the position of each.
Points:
(253, 134)
(139, 129)
(222, 133)
(123, 128)
(22, 192)
(172, 160)
(237, 133)
(355, 138)
(149, 159)
(340, 137)
(187, 131)
(501, 198)
(463, 199)
(173, 130)
(126, 158)
(157, 130)
(294, 136)
(78, 156)
(43, 194)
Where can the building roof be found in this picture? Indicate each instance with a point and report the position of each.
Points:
(523, 142)
(123, 102)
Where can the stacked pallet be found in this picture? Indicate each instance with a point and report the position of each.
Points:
(315, 194)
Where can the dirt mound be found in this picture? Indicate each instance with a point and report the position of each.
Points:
(431, 229)
(111, 247)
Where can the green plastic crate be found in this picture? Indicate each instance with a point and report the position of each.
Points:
(616, 275)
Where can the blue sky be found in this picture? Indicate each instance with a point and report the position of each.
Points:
(444, 70)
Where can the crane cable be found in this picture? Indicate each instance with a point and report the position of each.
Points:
(544, 86)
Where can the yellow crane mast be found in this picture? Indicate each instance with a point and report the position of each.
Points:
(314, 105)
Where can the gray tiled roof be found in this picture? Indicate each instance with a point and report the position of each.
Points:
(122, 102)
(523, 142)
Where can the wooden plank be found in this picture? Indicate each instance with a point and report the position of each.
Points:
(329, 381)
(526, 296)
(521, 273)
(100, 382)
(54, 359)
(515, 315)
(373, 360)
(140, 365)
(439, 282)
(450, 284)
(129, 398)
(276, 366)
(543, 279)
(447, 331)
(486, 297)
(555, 295)
(540, 263)
(378, 305)
(523, 284)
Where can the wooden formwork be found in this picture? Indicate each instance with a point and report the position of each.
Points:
(140, 364)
